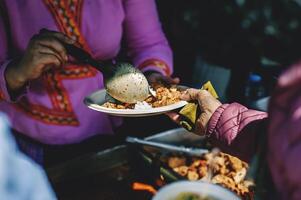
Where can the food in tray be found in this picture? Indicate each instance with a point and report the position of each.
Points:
(164, 96)
(223, 169)
(191, 196)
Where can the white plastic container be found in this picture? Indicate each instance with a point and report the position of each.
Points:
(171, 191)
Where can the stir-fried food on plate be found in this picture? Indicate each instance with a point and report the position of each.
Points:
(164, 96)
(221, 168)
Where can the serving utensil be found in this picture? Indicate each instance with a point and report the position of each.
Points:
(169, 147)
(122, 81)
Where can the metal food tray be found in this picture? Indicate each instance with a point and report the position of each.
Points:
(149, 157)
(176, 137)
(103, 161)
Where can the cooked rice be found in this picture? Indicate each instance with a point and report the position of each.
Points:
(142, 106)
(164, 97)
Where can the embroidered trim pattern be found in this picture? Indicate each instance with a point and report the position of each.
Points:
(48, 116)
(157, 63)
(66, 18)
(74, 71)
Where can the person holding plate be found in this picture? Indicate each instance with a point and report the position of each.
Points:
(275, 139)
(42, 90)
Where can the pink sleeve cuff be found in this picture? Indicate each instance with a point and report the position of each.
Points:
(215, 118)
(157, 65)
(228, 121)
(154, 68)
(3, 85)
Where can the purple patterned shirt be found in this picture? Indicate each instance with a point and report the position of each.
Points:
(52, 110)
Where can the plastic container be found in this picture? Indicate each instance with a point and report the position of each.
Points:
(171, 191)
(254, 88)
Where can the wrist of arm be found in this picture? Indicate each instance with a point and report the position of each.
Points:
(14, 78)
(151, 72)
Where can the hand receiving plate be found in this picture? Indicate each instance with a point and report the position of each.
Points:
(98, 98)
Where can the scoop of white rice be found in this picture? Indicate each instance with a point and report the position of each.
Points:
(142, 105)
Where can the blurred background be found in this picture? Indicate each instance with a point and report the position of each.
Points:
(212, 39)
(240, 46)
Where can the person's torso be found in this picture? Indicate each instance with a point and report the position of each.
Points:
(53, 111)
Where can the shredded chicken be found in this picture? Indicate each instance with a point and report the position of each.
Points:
(164, 96)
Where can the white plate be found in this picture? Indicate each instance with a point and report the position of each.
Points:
(98, 98)
(217, 192)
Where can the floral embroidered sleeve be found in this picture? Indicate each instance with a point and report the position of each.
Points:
(146, 41)
(4, 61)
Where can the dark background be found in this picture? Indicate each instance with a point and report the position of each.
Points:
(242, 36)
